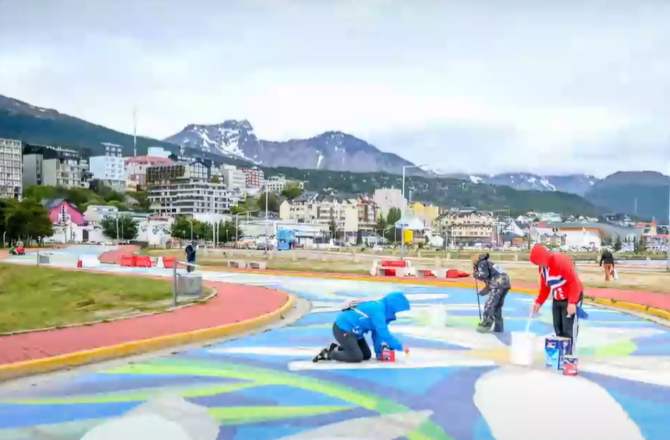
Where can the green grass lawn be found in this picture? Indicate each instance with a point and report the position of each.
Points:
(37, 297)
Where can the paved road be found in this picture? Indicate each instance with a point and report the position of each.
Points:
(455, 384)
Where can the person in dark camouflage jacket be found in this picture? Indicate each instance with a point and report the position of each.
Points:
(496, 285)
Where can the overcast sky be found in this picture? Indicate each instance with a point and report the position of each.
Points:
(475, 86)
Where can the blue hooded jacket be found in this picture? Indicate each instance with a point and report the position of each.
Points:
(374, 316)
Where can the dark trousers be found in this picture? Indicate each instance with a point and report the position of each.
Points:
(493, 309)
(564, 326)
(351, 348)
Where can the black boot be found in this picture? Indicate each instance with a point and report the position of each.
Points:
(322, 356)
(498, 327)
(333, 347)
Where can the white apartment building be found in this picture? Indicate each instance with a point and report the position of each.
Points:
(189, 197)
(158, 152)
(110, 168)
(54, 166)
(97, 213)
(234, 178)
(308, 208)
(387, 198)
(11, 169)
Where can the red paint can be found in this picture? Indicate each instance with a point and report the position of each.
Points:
(570, 364)
(388, 355)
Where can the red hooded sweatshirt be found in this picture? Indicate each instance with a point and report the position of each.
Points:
(557, 276)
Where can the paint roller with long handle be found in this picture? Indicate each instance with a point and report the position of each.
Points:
(479, 306)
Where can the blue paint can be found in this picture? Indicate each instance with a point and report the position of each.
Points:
(555, 350)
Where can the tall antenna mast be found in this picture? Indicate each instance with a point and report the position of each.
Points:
(134, 131)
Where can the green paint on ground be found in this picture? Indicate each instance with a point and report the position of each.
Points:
(262, 376)
(620, 348)
(236, 415)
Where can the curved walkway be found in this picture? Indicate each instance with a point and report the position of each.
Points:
(233, 304)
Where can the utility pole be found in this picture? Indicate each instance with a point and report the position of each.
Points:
(266, 218)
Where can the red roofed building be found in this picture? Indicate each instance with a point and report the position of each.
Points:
(136, 170)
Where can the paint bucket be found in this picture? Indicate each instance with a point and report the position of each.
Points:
(388, 355)
(522, 349)
(437, 316)
(570, 365)
(555, 350)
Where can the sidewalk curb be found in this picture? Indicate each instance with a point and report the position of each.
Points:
(36, 366)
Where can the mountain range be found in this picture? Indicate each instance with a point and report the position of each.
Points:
(332, 150)
(641, 193)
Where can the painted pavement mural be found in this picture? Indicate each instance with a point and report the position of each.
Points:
(455, 383)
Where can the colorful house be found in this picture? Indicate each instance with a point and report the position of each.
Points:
(69, 224)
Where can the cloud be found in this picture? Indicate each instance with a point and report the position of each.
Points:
(563, 86)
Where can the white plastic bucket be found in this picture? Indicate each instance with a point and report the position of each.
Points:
(437, 316)
(522, 350)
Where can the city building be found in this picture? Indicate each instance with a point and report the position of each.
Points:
(468, 227)
(275, 184)
(427, 213)
(189, 197)
(255, 177)
(387, 198)
(567, 237)
(195, 170)
(11, 169)
(136, 170)
(110, 168)
(234, 178)
(54, 166)
(306, 235)
(368, 213)
(342, 215)
(97, 213)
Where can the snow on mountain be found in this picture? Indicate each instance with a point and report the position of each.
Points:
(475, 179)
(229, 138)
(332, 150)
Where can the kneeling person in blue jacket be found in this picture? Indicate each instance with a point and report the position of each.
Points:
(355, 321)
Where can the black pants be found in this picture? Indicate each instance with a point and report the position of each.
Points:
(190, 268)
(351, 348)
(493, 308)
(564, 326)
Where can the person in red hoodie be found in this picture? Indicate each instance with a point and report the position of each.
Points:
(559, 279)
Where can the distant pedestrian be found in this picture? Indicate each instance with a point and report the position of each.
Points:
(607, 263)
(190, 256)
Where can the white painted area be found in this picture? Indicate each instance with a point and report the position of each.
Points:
(163, 418)
(654, 370)
(425, 296)
(464, 337)
(518, 403)
(139, 426)
(386, 427)
(418, 358)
